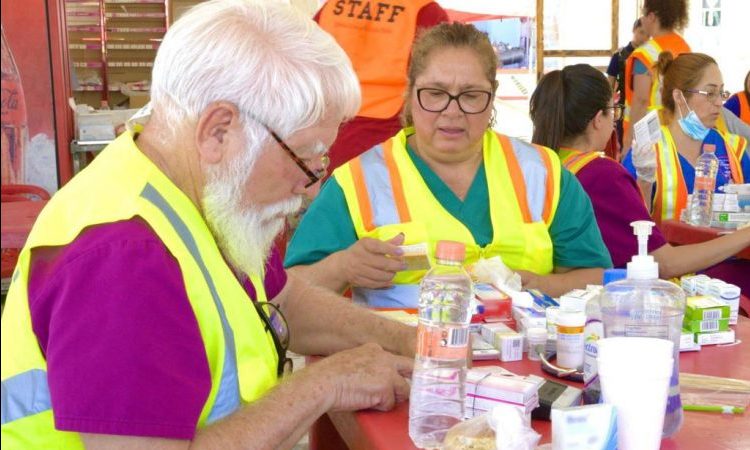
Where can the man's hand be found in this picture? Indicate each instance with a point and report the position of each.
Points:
(364, 377)
(372, 263)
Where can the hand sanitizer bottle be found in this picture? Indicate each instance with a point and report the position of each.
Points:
(642, 305)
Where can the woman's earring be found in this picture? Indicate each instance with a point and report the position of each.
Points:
(492, 121)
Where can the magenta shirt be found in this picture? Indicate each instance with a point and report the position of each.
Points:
(617, 201)
(123, 348)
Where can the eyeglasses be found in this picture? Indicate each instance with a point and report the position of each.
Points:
(616, 111)
(275, 324)
(314, 176)
(711, 96)
(438, 100)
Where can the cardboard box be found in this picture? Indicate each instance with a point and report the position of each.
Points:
(705, 307)
(706, 326)
(722, 337)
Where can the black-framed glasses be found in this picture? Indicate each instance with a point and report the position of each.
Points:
(313, 175)
(275, 323)
(712, 96)
(617, 110)
(437, 100)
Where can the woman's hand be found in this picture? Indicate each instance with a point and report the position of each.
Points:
(530, 280)
(372, 263)
(644, 160)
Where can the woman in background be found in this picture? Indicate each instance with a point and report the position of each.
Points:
(739, 103)
(573, 111)
(662, 20)
(692, 97)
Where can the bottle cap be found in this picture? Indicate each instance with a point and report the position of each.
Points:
(642, 266)
(611, 275)
(709, 148)
(571, 318)
(450, 251)
(536, 334)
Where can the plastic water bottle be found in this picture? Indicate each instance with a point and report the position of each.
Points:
(437, 390)
(15, 134)
(592, 332)
(703, 188)
(645, 306)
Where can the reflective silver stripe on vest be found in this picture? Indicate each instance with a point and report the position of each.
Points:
(534, 174)
(396, 296)
(228, 396)
(24, 395)
(380, 191)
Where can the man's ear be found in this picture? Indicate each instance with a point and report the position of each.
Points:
(217, 126)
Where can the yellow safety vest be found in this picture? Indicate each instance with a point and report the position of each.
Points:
(648, 54)
(670, 195)
(575, 160)
(386, 195)
(119, 185)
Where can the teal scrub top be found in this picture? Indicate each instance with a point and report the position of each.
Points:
(327, 227)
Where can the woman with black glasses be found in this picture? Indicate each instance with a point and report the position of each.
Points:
(573, 111)
(448, 175)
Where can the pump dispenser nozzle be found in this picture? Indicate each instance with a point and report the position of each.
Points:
(642, 266)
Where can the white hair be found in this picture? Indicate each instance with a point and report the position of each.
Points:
(243, 233)
(269, 59)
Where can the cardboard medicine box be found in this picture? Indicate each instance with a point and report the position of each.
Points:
(705, 307)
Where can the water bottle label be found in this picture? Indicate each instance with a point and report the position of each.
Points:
(704, 183)
(442, 342)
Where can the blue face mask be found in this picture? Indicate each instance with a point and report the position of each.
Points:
(693, 127)
(691, 124)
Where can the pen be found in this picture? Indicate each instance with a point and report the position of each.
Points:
(724, 409)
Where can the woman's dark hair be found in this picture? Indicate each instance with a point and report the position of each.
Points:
(440, 37)
(682, 73)
(565, 101)
(672, 14)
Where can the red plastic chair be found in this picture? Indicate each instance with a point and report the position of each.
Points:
(22, 192)
(17, 193)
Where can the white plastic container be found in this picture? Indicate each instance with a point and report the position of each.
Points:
(645, 306)
(570, 326)
(537, 339)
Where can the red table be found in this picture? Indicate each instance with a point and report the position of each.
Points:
(700, 431)
(680, 233)
(17, 219)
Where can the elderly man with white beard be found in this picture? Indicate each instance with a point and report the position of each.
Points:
(149, 308)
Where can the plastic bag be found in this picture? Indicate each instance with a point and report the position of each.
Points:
(473, 434)
(503, 428)
(495, 272)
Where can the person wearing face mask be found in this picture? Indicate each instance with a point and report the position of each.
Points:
(573, 111)
(662, 20)
(692, 95)
(448, 175)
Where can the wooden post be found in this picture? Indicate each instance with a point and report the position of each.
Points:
(539, 39)
(615, 24)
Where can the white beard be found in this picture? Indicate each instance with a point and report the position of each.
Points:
(244, 236)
